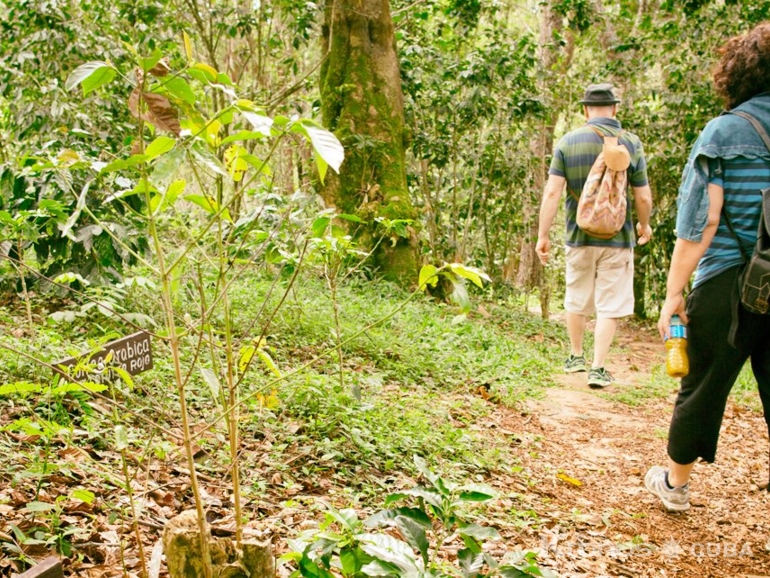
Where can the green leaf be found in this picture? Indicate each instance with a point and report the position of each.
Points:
(388, 549)
(479, 532)
(422, 467)
(475, 275)
(243, 135)
(121, 438)
(209, 72)
(321, 165)
(187, 46)
(159, 146)
(99, 78)
(124, 375)
(209, 205)
(318, 229)
(222, 78)
(471, 562)
(354, 218)
(167, 166)
(96, 73)
(159, 202)
(174, 190)
(179, 88)
(257, 163)
(39, 506)
(352, 560)
(477, 493)
(208, 160)
(459, 294)
(260, 123)
(83, 495)
(377, 568)
(122, 164)
(430, 496)
(310, 569)
(268, 361)
(347, 518)
(513, 572)
(212, 380)
(140, 188)
(384, 517)
(66, 228)
(428, 276)
(327, 146)
(414, 534)
(151, 61)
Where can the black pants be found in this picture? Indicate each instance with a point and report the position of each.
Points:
(715, 365)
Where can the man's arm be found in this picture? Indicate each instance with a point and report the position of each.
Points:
(643, 204)
(548, 209)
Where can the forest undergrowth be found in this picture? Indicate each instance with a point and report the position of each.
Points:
(475, 399)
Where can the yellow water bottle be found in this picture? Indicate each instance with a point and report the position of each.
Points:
(677, 363)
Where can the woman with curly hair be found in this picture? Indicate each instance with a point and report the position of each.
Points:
(719, 206)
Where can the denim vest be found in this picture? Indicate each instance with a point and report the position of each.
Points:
(725, 137)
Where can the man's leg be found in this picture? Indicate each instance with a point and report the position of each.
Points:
(614, 299)
(576, 326)
(603, 334)
(578, 302)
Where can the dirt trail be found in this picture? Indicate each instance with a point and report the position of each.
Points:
(588, 455)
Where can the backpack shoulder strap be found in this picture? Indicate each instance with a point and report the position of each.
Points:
(602, 134)
(757, 126)
(765, 139)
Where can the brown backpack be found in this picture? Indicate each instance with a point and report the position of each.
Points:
(602, 205)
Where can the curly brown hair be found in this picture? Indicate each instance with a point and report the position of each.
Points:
(744, 69)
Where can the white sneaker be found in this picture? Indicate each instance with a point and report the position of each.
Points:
(674, 499)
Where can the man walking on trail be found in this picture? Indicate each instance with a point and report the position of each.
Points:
(600, 272)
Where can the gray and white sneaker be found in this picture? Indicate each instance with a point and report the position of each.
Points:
(674, 499)
(575, 363)
(599, 377)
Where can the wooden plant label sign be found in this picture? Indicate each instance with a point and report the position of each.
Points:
(132, 354)
(48, 568)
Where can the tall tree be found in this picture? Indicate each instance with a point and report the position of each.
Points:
(362, 103)
(555, 54)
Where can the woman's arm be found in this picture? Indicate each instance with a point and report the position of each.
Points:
(684, 261)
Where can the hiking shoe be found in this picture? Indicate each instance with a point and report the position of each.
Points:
(599, 377)
(574, 364)
(674, 499)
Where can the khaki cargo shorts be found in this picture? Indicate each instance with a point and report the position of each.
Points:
(600, 280)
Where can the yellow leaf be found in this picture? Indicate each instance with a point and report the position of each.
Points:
(212, 132)
(566, 478)
(235, 163)
(270, 401)
(187, 46)
(68, 157)
(209, 71)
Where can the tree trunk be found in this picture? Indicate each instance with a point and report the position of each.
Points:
(530, 273)
(362, 103)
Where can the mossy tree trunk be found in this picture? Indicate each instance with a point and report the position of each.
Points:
(362, 103)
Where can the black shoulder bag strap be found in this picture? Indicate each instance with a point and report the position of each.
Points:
(732, 335)
(765, 139)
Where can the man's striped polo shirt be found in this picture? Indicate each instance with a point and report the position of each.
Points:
(573, 157)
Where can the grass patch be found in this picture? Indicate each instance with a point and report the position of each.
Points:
(657, 385)
(745, 392)
(409, 384)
